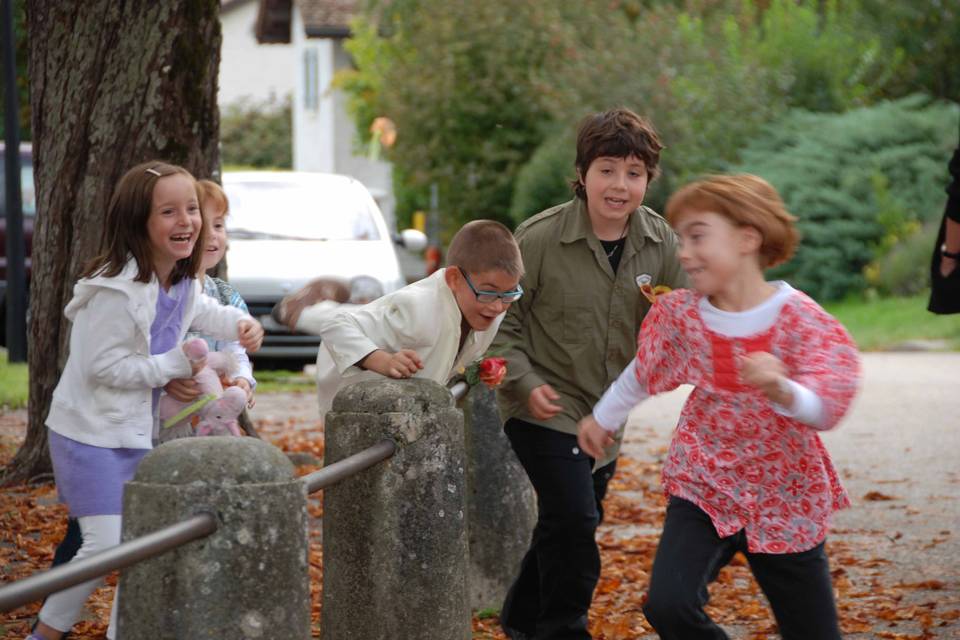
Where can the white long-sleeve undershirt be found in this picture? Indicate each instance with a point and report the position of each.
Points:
(626, 392)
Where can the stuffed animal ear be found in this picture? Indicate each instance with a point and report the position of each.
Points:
(223, 362)
(233, 401)
(195, 349)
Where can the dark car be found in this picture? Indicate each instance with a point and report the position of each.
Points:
(29, 214)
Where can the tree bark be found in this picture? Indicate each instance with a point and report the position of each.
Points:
(113, 83)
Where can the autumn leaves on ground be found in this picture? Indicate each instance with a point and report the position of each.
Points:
(873, 603)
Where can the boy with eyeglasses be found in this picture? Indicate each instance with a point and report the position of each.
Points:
(431, 328)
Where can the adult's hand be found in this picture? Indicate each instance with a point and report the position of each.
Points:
(947, 266)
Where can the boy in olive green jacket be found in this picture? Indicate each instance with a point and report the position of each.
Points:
(588, 264)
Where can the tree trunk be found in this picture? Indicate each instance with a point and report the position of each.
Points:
(113, 83)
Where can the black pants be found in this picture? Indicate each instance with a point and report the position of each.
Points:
(551, 596)
(690, 556)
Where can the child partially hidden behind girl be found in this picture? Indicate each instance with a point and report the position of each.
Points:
(746, 469)
(215, 207)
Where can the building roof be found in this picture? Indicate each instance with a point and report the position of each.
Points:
(321, 19)
(327, 18)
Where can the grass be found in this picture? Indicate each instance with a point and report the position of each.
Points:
(282, 381)
(883, 323)
(13, 383)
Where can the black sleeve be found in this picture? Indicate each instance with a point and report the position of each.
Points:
(953, 189)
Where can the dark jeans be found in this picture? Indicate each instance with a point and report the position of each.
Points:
(551, 596)
(690, 556)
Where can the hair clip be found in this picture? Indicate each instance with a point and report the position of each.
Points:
(154, 172)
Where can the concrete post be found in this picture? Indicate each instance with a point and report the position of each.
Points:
(394, 536)
(501, 503)
(249, 579)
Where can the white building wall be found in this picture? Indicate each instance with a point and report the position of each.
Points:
(313, 105)
(248, 70)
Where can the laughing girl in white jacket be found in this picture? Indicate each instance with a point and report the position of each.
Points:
(130, 312)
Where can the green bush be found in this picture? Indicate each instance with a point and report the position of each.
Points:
(905, 269)
(859, 182)
(545, 180)
(257, 134)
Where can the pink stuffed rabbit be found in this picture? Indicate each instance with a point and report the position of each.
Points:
(215, 412)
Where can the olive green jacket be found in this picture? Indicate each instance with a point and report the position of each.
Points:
(576, 326)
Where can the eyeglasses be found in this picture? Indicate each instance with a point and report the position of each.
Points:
(486, 297)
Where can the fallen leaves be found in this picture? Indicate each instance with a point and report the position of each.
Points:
(873, 597)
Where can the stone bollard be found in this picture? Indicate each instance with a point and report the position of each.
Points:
(394, 536)
(501, 503)
(250, 578)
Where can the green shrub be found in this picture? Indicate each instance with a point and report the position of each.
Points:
(905, 269)
(545, 180)
(859, 182)
(257, 134)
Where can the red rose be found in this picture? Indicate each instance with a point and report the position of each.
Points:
(492, 371)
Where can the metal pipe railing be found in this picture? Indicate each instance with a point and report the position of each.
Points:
(365, 459)
(123, 555)
(200, 525)
(351, 465)
(459, 389)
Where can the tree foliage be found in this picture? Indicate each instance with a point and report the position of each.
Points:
(257, 134)
(860, 183)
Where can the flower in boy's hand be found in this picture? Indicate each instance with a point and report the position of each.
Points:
(651, 293)
(492, 371)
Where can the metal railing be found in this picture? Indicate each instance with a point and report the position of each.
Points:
(123, 555)
(351, 465)
(200, 525)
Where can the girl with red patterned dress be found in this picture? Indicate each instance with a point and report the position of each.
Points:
(746, 470)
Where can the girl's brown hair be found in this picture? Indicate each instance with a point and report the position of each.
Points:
(125, 228)
(746, 200)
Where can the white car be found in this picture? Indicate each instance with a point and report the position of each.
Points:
(287, 228)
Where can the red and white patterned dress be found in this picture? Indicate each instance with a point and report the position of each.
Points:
(744, 464)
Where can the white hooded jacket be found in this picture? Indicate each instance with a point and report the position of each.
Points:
(104, 397)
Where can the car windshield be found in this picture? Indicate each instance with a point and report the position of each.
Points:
(294, 211)
(27, 192)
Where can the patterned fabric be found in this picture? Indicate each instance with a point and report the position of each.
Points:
(732, 455)
(224, 292)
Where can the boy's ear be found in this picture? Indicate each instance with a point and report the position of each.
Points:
(452, 276)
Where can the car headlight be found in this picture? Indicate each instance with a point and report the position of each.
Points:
(364, 289)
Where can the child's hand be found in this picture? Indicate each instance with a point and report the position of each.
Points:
(592, 438)
(182, 389)
(250, 334)
(244, 384)
(402, 364)
(540, 403)
(768, 373)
